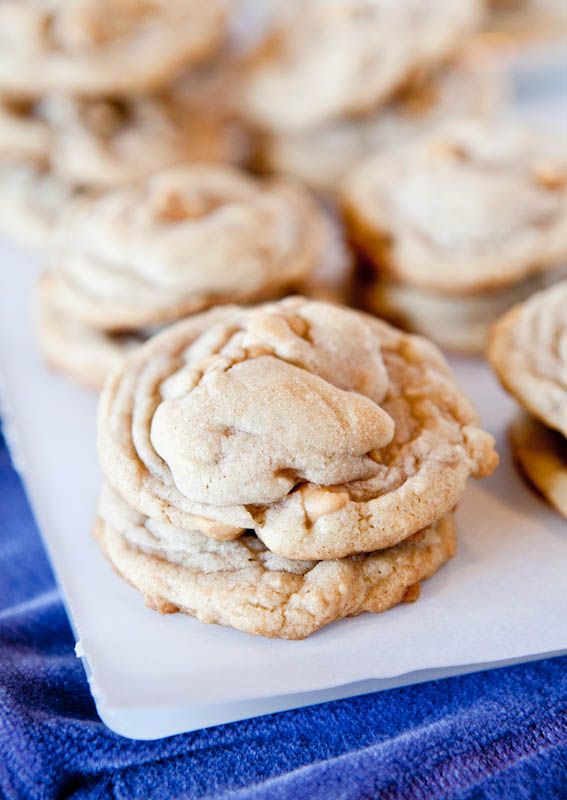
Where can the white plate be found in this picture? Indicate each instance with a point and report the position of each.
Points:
(502, 598)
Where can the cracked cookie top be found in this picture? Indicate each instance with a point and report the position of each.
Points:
(331, 58)
(528, 351)
(323, 430)
(103, 46)
(471, 207)
(182, 241)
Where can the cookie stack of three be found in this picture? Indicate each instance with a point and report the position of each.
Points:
(280, 467)
(98, 93)
(340, 79)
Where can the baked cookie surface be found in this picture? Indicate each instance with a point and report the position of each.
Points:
(324, 431)
(143, 254)
(470, 208)
(528, 351)
(106, 142)
(243, 585)
(332, 58)
(322, 157)
(103, 46)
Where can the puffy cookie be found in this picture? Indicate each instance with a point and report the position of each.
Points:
(143, 254)
(541, 454)
(245, 586)
(182, 241)
(106, 142)
(459, 324)
(331, 58)
(322, 157)
(472, 207)
(103, 46)
(323, 430)
(528, 351)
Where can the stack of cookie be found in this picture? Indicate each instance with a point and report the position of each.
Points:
(278, 468)
(95, 93)
(341, 78)
(133, 259)
(528, 351)
(460, 225)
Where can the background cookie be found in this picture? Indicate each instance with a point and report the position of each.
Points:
(103, 46)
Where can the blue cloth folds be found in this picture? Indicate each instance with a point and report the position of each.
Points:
(496, 735)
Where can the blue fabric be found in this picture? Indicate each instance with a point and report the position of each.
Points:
(499, 735)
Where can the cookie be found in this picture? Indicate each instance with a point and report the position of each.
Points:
(31, 200)
(471, 208)
(323, 156)
(542, 456)
(94, 47)
(321, 429)
(335, 58)
(528, 351)
(142, 255)
(242, 585)
(108, 142)
(135, 258)
(459, 324)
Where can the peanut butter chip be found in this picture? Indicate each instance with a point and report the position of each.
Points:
(321, 500)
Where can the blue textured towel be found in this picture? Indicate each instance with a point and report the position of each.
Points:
(500, 735)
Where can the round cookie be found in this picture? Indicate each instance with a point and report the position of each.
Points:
(470, 208)
(99, 47)
(321, 429)
(243, 585)
(542, 456)
(107, 142)
(334, 58)
(528, 351)
(323, 156)
(142, 255)
(460, 324)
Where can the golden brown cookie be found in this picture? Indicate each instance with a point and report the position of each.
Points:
(542, 456)
(106, 142)
(528, 351)
(322, 156)
(472, 207)
(243, 585)
(334, 58)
